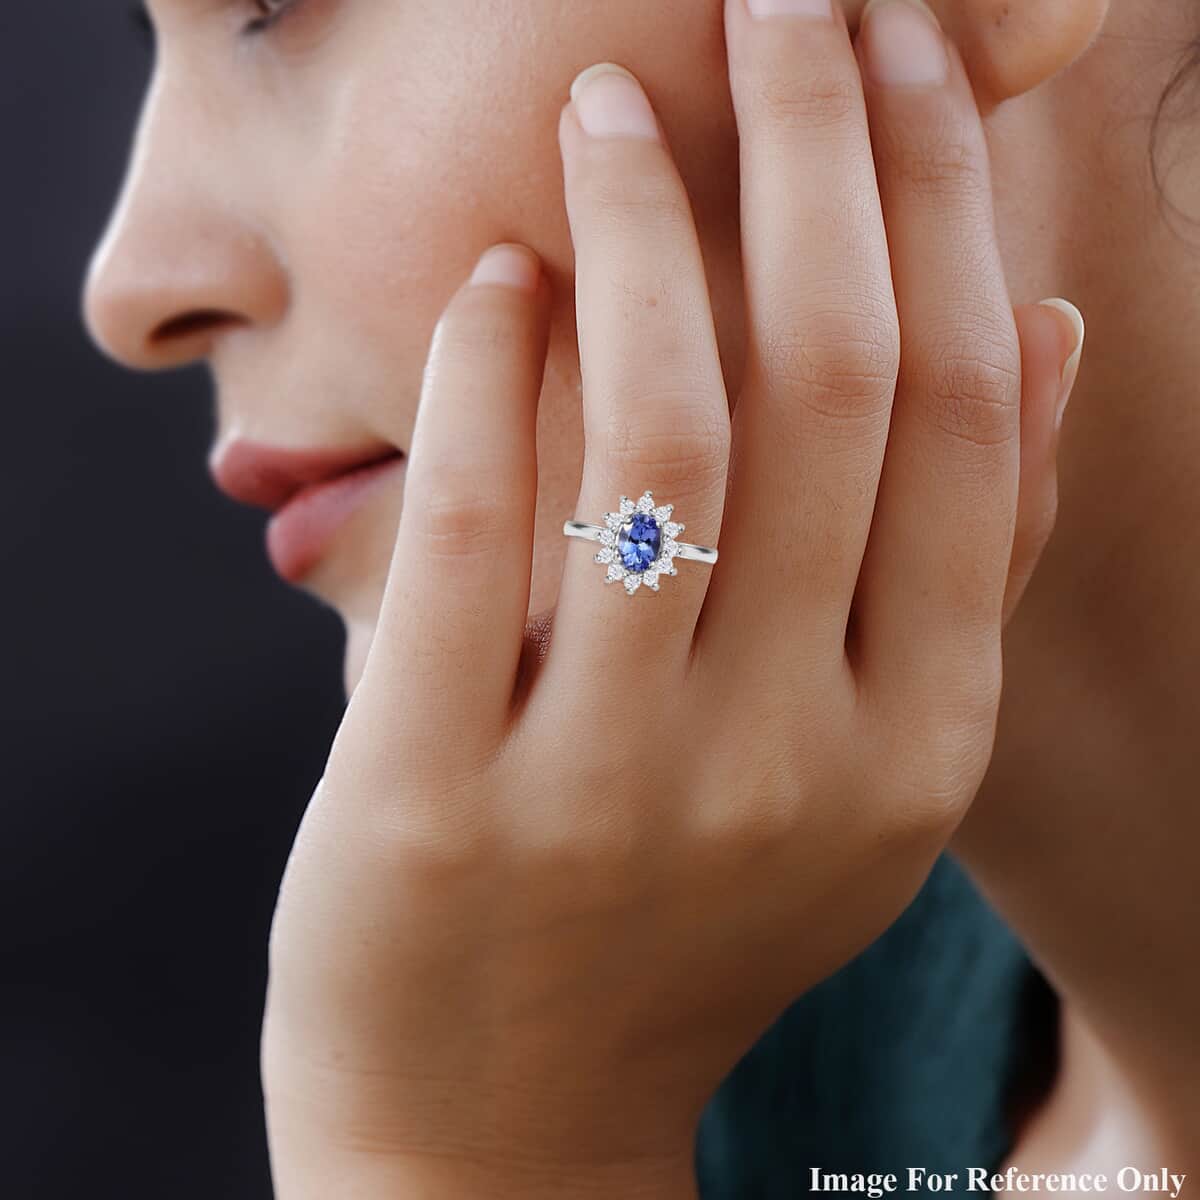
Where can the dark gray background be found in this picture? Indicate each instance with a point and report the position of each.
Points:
(167, 702)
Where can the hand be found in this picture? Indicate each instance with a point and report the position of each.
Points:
(540, 905)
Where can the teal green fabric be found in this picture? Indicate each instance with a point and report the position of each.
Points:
(908, 1056)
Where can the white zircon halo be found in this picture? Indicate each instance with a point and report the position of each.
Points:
(638, 543)
(637, 531)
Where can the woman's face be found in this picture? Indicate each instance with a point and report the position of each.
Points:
(306, 193)
(304, 198)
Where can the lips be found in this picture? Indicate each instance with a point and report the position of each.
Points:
(312, 493)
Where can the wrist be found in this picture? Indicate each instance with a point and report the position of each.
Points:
(337, 1127)
(315, 1171)
(331, 1136)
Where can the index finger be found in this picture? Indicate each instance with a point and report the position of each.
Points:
(445, 656)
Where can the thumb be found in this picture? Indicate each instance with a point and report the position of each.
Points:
(1051, 334)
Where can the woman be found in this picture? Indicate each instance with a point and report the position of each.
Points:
(577, 844)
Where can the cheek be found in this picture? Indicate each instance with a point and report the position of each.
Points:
(413, 177)
(409, 181)
(432, 139)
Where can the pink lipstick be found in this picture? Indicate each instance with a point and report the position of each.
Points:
(312, 493)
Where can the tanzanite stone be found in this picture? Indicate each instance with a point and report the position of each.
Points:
(639, 541)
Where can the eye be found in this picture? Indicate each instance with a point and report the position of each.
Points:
(142, 23)
(269, 11)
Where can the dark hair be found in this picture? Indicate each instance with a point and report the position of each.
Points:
(1180, 98)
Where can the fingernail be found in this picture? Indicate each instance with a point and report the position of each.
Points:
(610, 102)
(1071, 366)
(904, 43)
(509, 266)
(791, 8)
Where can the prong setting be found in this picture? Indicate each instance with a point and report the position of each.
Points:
(638, 543)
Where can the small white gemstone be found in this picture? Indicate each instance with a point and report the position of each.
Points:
(671, 548)
(646, 503)
(663, 512)
(633, 581)
(605, 555)
(626, 506)
(608, 537)
(650, 579)
(672, 529)
(615, 571)
(613, 520)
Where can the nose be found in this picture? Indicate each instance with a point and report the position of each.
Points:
(178, 265)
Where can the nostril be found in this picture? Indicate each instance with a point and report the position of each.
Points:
(190, 325)
(162, 293)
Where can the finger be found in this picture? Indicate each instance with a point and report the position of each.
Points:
(930, 596)
(655, 412)
(443, 662)
(1051, 336)
(811, 421)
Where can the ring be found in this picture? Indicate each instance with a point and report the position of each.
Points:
(638, 542)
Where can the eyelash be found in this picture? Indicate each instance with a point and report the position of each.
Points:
(142, 23)
(270, 11)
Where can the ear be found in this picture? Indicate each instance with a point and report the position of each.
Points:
(1011, 46)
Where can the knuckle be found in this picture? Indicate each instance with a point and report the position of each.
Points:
(754, 822)
(437, 846)
(788, 101)
(450, 517)
(758, 804)
(693, 448)
(837, 362)
(933, 795)
(589, 850)
(624, 200)
(416, 806)
(940, 162)
(772, 810)
(957, 762)
(939, 750)
(974, 395)
(479, 323)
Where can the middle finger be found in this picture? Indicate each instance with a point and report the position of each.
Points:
(810, 425)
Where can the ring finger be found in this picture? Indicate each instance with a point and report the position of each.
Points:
(655, 412)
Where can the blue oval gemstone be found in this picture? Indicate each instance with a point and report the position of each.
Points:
(638, 542)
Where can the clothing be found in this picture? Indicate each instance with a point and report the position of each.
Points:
(911, 1056)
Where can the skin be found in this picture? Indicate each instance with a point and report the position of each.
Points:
(314, 198)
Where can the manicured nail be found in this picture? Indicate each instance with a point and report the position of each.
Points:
(610, 103)
(791, 8)
(509, 266)
(904, 44)
(1071, 366)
